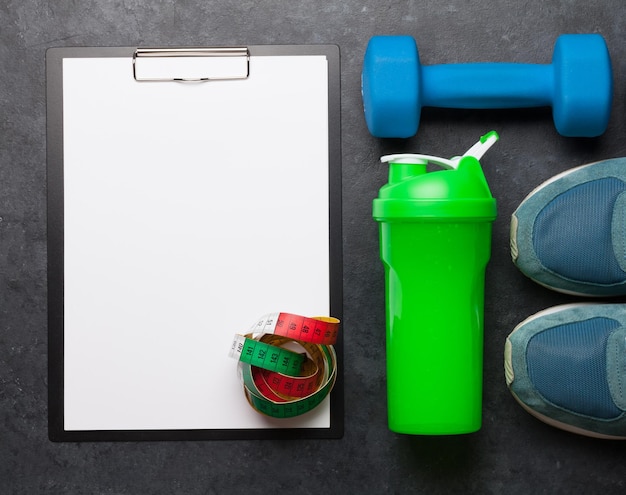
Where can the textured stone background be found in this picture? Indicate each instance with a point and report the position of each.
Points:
(513, 453)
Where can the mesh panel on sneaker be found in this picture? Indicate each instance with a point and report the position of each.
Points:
(567, 365)
(572, 234)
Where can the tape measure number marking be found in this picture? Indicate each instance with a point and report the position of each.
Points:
(277, 381)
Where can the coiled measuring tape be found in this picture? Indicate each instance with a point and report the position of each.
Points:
(279, 381)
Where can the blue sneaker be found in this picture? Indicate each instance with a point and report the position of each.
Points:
(569, 234)
(566, 365)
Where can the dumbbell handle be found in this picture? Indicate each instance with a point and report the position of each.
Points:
(487, 85)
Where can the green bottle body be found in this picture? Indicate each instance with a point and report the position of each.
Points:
(435, 243)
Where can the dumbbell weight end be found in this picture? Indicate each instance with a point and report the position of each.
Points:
(583, 85)
(390, 86)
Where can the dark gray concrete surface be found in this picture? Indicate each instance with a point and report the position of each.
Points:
(513, 453)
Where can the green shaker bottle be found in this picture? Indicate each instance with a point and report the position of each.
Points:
(435, 242)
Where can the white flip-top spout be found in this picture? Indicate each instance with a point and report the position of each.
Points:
(483, 145)
(477, 151)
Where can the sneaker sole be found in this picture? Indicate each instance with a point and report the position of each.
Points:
(510, 377)
(565, 426)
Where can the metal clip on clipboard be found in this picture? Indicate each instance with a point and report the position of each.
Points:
(191, 64)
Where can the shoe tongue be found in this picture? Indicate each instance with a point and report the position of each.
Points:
(619, 231)
(616, 366)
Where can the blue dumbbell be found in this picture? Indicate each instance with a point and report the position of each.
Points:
(578, 85)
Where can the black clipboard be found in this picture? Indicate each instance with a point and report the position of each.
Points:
(186, 189)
